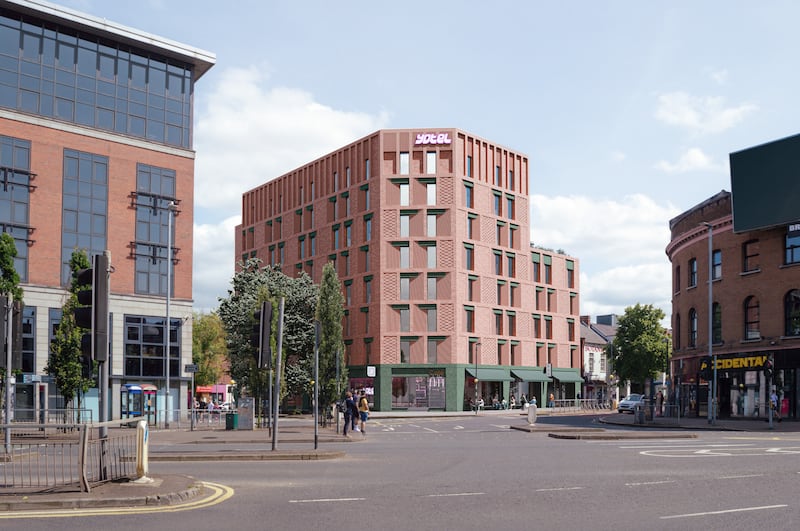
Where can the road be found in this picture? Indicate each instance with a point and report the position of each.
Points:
(475, 473)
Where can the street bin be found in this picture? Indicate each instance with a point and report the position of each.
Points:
(638, 415)
(232, 421)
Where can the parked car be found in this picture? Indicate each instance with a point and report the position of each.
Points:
(630, 402)
(226, 406)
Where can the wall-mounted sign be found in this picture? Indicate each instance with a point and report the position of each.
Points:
(424, 139)
(794, 228)
(371, 371)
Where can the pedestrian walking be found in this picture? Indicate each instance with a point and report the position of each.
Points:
(363, 412)
(773, 404)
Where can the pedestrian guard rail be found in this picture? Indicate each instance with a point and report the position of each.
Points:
(65, 457)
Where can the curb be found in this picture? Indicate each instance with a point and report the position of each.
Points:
(300, 455)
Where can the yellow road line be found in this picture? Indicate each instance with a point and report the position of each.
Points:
(219, 494)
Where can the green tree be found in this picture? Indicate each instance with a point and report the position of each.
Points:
(64, 362)
(253, 284)
(638, 350)
(330, 311)
(208, 348)
(9, 285)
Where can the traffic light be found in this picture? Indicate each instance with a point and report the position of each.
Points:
(84, 312)
(706, 368)
(769, 366)
(260, 334)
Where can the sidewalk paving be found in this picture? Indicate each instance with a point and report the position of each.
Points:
(295, 441)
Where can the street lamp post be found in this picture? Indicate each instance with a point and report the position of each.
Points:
(477, 351)
(712, 414)
(171, 207)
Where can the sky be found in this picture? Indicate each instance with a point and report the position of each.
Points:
(627, 110)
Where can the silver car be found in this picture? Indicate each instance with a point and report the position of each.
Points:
(630, 402)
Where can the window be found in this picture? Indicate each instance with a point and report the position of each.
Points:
(28, 339)
(469, 258)
(405, 288)
(368, 229)
(716, 264)
(498, 263)
(368, 290)
(498, 234)
(510, 207)
(512, 294)
(792, 248)
(431, 288)
(405, 320)
(405, 198)
(404, 163)
(470, 227)
(365, 258)
(499, 291)
(677, 279)
(366, 169)
(471, 288)
(336, 237)
(469, 199)
(431, 263)
(365, 192)
(431, 225)
(405, 257)
(750, 256)
(405, 351)
(716, 326)
(496, 204)
(512, 324)
(498, 322)
(432, 346)
(570, 274)
(537, 326)
(312, 244)
(537, 272)
(692, 279)
(404, 225)
(348, 235)
(144, 346)
(692, 328)
(430, 162)
(431, 319)
(570, 330)
(677, 335)
(365, 312)
(430, 189)
(512, 237)
(155, 192)
(348, 294)
(511, 270)
(548, 327)
(548, 272)
(469, 318)
(15, 201)
(791, 305)
(752, 325)
(469, 165)
(496, 180)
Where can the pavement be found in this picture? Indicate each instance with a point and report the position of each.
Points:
(297, 440)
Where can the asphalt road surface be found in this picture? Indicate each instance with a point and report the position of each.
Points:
(476, 473)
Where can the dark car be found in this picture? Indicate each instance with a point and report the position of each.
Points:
(629, 403)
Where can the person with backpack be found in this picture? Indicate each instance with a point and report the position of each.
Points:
(363, 411)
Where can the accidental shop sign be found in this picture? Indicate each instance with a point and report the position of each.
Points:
(424, 139)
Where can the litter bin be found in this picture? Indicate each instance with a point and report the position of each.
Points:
(232, 421)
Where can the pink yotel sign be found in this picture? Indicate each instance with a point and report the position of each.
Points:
(432, 138)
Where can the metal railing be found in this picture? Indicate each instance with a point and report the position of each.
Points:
(64, 457)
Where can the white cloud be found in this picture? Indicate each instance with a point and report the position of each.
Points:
(700, 115)
(720, 76)
(247, 134)
(618, 156)
(250, 133)
(619, 244)
(692, 160)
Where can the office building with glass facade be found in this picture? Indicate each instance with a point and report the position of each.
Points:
(95, 144)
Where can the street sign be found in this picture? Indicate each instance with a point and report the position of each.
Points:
(190, 368)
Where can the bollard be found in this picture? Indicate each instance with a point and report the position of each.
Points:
(532, 414)
(142, 442)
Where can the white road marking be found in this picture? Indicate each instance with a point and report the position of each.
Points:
(325, 500)
(683, 446)
(742, 476)
(559, 488)
(458, 427)
(641, 483)
(456, 494)
(431, 430)
(739, 510)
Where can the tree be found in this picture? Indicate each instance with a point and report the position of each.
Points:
(208, 348)
(638, 350)
(330, 311)
(9, 285)
(253, 284)
(64, 362)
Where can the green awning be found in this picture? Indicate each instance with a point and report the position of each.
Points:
(490, 374)
(567, 375)
(530, 375)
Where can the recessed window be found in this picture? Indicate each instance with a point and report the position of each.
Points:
(405, 198)
(431, 288)
(752, 318)
(692, 278)
(716, 264)
(405, 288)
(792, 248)
(405, 221)
(431, 257)
(405, 320)
(692, 327)
(430, 189)
(750, 256)
(430, 162)
(431, 225)
(404, 163)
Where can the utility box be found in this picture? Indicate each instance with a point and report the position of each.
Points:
(245, 413)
